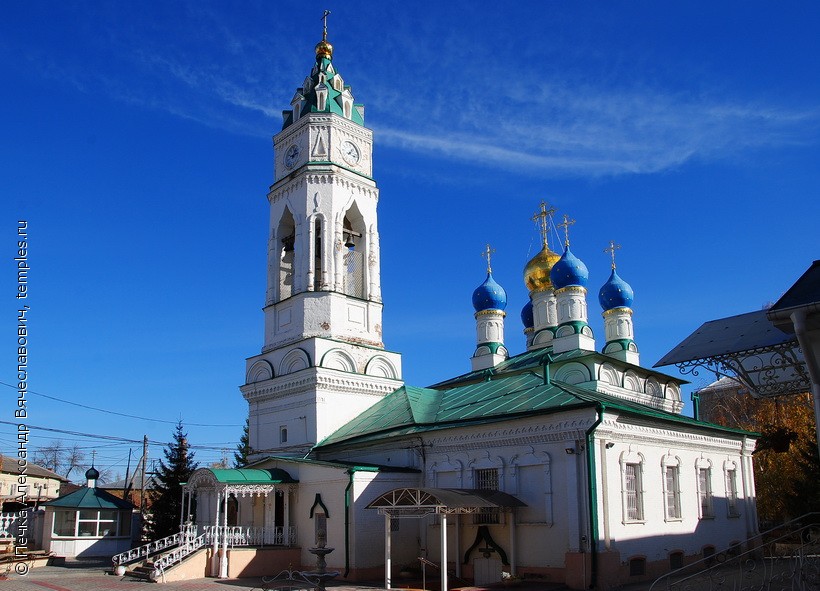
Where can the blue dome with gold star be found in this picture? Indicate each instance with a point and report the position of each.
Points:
(569, 270)
(527, 316)
(615, 293)
(489, 295)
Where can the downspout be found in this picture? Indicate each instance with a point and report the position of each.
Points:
(593, 496)
(350, 473)
(696, 405)
(547, 377)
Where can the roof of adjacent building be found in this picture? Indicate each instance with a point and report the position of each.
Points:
(735, 334)
(9, 466)
(90, 498)
(513, 389)
(805, 290)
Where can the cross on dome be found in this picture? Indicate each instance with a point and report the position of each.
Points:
(486, 255)
(324, 25)
(565, 225)
(611, 250)
(542, 217)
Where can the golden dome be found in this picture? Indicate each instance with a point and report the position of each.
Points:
(324, 49)
(537, 271)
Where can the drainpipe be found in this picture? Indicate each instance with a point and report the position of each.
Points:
(696, 405)
(593, 496)
(350, 473)
(547, 377)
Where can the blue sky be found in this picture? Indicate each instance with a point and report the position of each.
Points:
(136, 142)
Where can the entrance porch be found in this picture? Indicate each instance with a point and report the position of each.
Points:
(239, 508)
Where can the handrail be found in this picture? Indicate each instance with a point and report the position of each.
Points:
(146, 550)
(177, 555)
(730, 554)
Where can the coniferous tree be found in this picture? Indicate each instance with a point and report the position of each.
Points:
(166, 502)
(240, 456)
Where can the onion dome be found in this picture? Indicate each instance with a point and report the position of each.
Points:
(615, 293)
(537, 271)
(489, 296)
(92, 473)
(569, 270)
(324, 49)
(527, 316)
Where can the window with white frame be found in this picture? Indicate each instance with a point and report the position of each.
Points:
(704, 472)
(671, 491)
(92, 523)
(633, 492)
(731, 491)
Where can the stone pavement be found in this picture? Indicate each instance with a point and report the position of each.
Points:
(96, 577)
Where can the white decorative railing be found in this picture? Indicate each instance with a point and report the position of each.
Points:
(178, 554)
(8, 528)
(150, 548)
(240, 535)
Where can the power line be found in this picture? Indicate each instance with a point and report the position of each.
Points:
(120, 414)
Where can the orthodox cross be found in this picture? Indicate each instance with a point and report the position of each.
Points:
(611, 250)
(324, 26)
(565, 225)
(486, 255)
(542, 217)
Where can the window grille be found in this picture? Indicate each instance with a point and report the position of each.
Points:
(705, 492)
(637, 567)
(353, 266)
(486, 479)
(634, 494)
(672, 493)
(731, 492)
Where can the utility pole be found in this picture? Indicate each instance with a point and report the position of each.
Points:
(142, 476)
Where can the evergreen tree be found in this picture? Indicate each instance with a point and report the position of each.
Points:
(166, 500)
(240, 456)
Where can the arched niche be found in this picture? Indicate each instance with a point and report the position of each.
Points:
(381, 367)
(338, 359)
(295, 360)
(259, 372)
(573, 373)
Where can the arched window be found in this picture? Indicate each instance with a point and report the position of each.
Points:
(353, 253)
(318, 269)
(286, 234)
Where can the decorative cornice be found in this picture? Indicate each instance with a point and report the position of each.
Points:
(316, 379)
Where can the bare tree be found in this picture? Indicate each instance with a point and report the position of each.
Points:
(59, 458)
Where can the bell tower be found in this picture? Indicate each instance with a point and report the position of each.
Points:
(323, 360)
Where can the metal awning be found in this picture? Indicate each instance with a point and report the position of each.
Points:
(747, 348)
(416, 502)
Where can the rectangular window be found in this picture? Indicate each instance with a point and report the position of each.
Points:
(705, 492)
(634, 492)
(486, 479)
(98, 524)
(65, 522)
(672, 493)
(731, 492)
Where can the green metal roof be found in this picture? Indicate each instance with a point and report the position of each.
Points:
(90, 498)
(252, 476)
(323, 68)
(410, 410)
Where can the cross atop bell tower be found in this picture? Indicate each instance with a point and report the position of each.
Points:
(323, 305)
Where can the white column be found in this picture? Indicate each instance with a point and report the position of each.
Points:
(286, 517)
(513, 558)
(458, 543)
(215, 552)
(387, 564)
(223, 559)
(443, 552)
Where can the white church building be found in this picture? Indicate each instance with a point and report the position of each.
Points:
(568, 462)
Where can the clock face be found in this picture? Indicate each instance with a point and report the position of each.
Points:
(351, 153)
(291, 156)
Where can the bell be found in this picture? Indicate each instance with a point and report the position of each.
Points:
(349, 240)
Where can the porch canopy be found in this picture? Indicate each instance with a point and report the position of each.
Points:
(418, 502)
(747, 348)
(219, 485)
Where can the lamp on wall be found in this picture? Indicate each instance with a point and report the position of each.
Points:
(569, 450)
(610, 444)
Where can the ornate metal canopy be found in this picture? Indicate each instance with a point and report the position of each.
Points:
(746, 348)
(417, 502)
